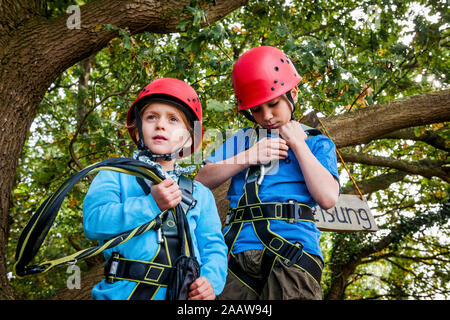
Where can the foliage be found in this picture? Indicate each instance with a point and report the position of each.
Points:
(351, 54)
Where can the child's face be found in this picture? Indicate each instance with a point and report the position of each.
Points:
(276, 112)
(165, 128)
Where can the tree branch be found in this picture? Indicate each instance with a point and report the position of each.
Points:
(82, 121)
(380, 182)
(41, 49)
(364, 125)
(405, 227)
(430, 137)
(425, 167)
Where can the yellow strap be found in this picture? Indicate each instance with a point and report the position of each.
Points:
(141, 171)
(81, 254)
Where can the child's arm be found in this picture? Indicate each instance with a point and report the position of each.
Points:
(108, 212)
(213, 175)
(321, 184)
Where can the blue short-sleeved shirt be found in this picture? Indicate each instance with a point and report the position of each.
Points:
(284, 182)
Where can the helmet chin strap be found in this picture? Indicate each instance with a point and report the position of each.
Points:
(145, 151)
(166, 156)
(291, 100)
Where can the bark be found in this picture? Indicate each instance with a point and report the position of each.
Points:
(364, 125)
(88, 280)
(34, 51)
(424, 167)
(380, 182)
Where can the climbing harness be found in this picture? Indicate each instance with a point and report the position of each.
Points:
(250, 209)
(162, 269)
(175, 243)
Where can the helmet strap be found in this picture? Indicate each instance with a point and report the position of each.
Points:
(141, 145)
(248, 115)
(291, 100)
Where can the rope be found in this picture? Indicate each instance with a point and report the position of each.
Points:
(339, 155)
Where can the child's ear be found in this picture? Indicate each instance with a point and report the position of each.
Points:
(294, 94)
(136, 134)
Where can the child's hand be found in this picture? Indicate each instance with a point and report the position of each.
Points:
(166, 194)
(266, 150)
(201, 289)
(292, 132)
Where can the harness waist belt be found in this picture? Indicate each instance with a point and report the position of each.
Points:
(290, 211)
(117, 268)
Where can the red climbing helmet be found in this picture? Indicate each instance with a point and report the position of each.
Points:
(262, 74)
(177, 93)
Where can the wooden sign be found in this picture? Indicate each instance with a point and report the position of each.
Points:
(351, 214)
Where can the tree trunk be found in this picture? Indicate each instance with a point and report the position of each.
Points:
(16, 115)
(87, 282)
(338, 284)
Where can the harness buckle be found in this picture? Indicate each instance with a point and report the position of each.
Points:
(298, 254)
(113, 268)
(261, 174)
(295, 216)
(252, 177)
(228, 218)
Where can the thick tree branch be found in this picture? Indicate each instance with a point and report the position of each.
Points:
(40, 49)
(364, 125)
(430, 137)
(380, 182)
(425, 167)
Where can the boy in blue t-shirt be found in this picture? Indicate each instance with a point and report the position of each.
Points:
(279, 171)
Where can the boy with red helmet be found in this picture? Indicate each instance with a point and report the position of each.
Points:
(271, 234)
(165, 123)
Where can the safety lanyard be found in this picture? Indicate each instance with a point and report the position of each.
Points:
(34, 233)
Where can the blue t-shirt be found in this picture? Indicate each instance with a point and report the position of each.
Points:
(284, 182)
